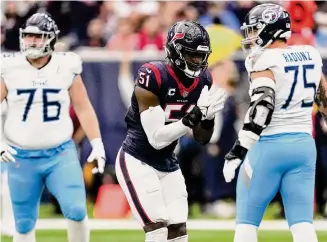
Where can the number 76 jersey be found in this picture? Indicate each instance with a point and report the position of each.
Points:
(38, 100)
(297, 71)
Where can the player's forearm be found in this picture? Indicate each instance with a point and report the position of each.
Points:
(89, 121)
(160, 135)
(78, 135)
(203, 131)
(323, 112)
(321, 97)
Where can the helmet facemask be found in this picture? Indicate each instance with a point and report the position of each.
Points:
(192, 62)
(252, 40)
(38, 47)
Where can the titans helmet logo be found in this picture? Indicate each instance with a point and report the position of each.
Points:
(269, 16)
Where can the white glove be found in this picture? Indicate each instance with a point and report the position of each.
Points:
(211, 101)
(7, 153)
(229, 169)
(97, 154)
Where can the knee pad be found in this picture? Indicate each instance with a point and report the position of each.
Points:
(246, 233)
(75, 213)
(303, 232)
(23, 226)
(158, 235)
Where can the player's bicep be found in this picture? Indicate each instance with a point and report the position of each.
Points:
(145, 99)
(265, 74)
(78, 94)
(3, 90)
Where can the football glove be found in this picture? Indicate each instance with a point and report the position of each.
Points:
(211, 101)
(7, 153)
(233, 160)
(98, 154)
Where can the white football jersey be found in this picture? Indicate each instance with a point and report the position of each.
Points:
(297, 71)
(38, 100)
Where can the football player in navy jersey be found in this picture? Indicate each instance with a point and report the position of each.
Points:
(170, 99)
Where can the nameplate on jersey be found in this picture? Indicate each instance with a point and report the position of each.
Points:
(40, 82)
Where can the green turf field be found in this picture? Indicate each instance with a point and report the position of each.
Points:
(46, 211)
(138, 236)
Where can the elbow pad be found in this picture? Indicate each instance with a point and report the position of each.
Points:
(160, 135)
(262, 105)
(259, 113)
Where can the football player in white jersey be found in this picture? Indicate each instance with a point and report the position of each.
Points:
(39, 86)
(275, 142)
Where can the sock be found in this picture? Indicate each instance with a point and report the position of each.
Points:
(158, 235)
(78, 231)
(179, 239)
(303, 232)
(246, 233)
(28, 237)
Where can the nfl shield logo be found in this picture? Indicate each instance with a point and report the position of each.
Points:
(185, 94)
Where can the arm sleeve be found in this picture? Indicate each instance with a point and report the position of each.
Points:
(160, 135)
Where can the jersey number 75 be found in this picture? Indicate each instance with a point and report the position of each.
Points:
(46, 103)
(307, 84)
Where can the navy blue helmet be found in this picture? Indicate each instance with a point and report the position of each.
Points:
(188, 47)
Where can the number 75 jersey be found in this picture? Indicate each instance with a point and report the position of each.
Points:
(38, 100)
(297, 71)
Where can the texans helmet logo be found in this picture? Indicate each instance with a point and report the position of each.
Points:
(178, 36)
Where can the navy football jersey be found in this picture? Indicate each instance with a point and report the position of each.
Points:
(175, 99)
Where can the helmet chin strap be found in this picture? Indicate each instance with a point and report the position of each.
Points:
(191, 74)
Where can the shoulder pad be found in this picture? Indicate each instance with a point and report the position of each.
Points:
(72, 61)
(316, 55)
(261, 61)
(149, 77)
(10, 60)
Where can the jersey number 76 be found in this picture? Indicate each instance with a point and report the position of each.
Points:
(295, 69)
(46, 103)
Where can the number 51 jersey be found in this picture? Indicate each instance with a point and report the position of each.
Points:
(175, 99)
(38, 100)
(297, 71)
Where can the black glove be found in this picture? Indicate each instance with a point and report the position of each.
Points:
(237, 152)
(192, 118)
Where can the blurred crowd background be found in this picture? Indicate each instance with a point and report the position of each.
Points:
(115, 38)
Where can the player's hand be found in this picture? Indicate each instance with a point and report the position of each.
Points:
(211, 101)
(7, 153)
(217, 99)
(233, 160)
(98, 154)
(229, 169)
